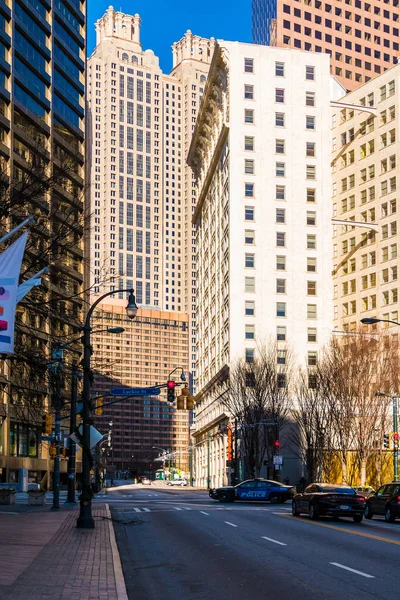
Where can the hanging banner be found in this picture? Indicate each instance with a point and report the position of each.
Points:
(10, 267)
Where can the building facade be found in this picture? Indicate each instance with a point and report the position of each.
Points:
(365, 159)
(42, 101)
(263, 219)
(361, 38)
(151, 347)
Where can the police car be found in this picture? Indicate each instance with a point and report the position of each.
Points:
(254, 489)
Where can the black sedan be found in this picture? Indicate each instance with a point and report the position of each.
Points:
(324, 499)
(254, 489)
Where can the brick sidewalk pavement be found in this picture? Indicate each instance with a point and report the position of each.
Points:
(45, 557)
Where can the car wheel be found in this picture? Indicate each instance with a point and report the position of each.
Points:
(275, 499)
(295, 511)
(357, 518)
(389, 516)
(224, 498)
(313, 512)
(368, 514)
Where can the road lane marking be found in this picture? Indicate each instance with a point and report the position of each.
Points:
(352, 570)
(359, 533)
(146, 510)
(231, 524)
(176, 508)
(273, 541)
(136, 509)
(204, 513)
(186, 508)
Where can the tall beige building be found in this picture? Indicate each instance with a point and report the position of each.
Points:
(365, 164)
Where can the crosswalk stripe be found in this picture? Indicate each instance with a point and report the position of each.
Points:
(176, 508)
(136, 509)
(146, 510)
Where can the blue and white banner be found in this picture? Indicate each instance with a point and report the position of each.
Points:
(10, 267)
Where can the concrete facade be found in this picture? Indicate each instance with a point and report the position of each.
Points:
(263, 219)
(362, 38)
(365, 157)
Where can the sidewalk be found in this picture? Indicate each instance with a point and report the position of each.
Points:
(45, 557)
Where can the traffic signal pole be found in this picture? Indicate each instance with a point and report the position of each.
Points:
(395, 445)
(56, 373)
(72, 444)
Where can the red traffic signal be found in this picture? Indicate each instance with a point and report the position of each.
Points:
(171, 391)
(396, 440)
(276, 444)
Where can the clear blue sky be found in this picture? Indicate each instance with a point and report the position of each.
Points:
(165, 22)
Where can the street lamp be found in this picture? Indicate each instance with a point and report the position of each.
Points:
(372, 321)
(395, 431)
(85, 519)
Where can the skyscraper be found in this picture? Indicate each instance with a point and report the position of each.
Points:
(42, 101)
(362, 38)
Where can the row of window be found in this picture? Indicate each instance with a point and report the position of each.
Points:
(279, 69)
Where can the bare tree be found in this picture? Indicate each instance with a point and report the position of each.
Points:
(258, 397)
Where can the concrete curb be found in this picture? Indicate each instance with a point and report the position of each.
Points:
(119, 575)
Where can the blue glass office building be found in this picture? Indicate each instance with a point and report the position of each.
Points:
(263, 14)
(42, 102)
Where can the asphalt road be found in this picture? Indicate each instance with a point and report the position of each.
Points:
(180, 544)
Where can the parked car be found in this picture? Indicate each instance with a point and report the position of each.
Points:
(146, 481)
(324, 499)
(386, 501)
(254, 489)
(181, 482)
(364, 490)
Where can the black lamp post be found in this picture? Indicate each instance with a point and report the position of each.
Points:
(372, 321)
(85, 519)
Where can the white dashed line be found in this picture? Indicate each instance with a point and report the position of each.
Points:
(231, 524)
(273, 541)
(146, 510)
(187, 508)
(204, 513)
(352, 570)
(136, 509)
(176, 508)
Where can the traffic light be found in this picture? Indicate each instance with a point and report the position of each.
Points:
(99, 406)
(180, 402)
(43, 424)
(276, 447)
(396, 441)
(386, 441)
(48, 422)
(53, 451)
(171, 391)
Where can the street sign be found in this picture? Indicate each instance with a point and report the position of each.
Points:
(278, 460)
(135, 392)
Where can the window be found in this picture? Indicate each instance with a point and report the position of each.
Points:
(280, 192)
(281, 309)
(281, 286)
(311, 242)
(310, 98)
(280, 238)
(310, 149)
(249, 92)
(249, 237)
(249, 284)
(280, 69)
(279, 96)
(249, 143)
(249, 213)
(249, 190)
(281, 357)
(311, 195)
(281, 263)
(311, 288)
(280, 215)
(249, 166)
(249, 332)
(280, 169)
(249, 261)
(310, 123)
(310, 73)
(311, 334)
(311, 311)
(249, 308)
(279, 119)
(311, 265)
(312, 359)
(310, 172)
(248, 65)
(281, 333)
(311, 218)
(249, 115)
(280, 146)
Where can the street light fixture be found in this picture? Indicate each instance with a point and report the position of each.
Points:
(85, 519)
(372, 321)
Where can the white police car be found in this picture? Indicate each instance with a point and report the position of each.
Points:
(254, 489)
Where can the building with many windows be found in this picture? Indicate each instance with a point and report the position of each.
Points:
(365, 157)
(362, 38)
(42, 102)
(263, 219)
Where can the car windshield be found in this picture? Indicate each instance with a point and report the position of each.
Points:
(337, 489)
